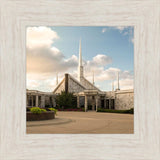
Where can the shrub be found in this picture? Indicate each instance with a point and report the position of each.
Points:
(130, 111)
(66, 100)
(53, 109)
(28, 109)
(36, 110)
(72, 109)
(43, 110)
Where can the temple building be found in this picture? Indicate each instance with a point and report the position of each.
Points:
(88, 95)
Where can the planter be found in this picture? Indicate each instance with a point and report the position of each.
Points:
(39, 117)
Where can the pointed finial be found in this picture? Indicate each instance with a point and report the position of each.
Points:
(57, 79)
(80, 53)
(112, 85)
(118, 81)
(93, 77)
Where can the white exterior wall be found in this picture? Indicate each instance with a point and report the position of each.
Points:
(87, 84)
(74, 86)
(60, 88)
(124, 100)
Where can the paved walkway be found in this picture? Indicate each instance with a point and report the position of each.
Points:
(84, 122)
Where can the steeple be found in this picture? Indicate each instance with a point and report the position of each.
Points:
(80, 53)
(57, 79)
(118, 81)
(93, 77)
(80, 67)
(112, 85)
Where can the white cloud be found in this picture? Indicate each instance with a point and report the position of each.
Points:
(97, 63)
(44, 60)
(102, 60)
(40, 36)
(42, 56)
(132, 40)
(120, 28)
(126, 83)
(126, 31)
(104, 30)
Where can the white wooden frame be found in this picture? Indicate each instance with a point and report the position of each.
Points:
(144, 144)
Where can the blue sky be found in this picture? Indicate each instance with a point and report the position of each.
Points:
(114, 44)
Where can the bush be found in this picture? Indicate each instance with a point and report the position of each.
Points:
(130, 111)
(53, 109)
(66, 100)
(36, 110)
(43, 110)
(28, 109)
(72, 109)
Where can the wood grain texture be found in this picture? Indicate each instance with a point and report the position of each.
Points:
(15, 16)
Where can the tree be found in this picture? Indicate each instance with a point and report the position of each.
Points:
(65, 100)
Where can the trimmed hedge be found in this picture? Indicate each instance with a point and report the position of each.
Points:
(72, 109)
(53, 109)
(129, 111)
(39, 117)
(36, 110)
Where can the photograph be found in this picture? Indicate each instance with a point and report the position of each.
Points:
(80, 80)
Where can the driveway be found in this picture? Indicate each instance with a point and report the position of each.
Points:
(84, 122)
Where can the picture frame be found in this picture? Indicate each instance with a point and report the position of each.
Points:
(15, 16)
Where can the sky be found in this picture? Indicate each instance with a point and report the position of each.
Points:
(55, 50)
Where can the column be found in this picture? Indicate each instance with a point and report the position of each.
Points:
(36, 100)
(86, 103)
(104, 102)
(96, 103)
(26, 100)
(54, 102)
(32, 100)
(42, 101)
(109, 103)
(78, 105)
(93, 103)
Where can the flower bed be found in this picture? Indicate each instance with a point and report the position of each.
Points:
(38, 117)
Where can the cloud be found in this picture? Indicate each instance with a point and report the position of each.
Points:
(40, 36)
(120, 28)
(104, 30)
(127, 31)
(126, 84)
(97, 63)
(103, 75)
(42, 56)
(49, 60)
(44, 60)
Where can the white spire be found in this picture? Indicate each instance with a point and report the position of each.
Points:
(57, 79)
(80, 53)
(112, 85)
(118, 81)
(80, 67)
(93, 77)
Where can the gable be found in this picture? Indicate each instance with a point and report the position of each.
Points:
(74, 86)
(60, 87)
(88, 85)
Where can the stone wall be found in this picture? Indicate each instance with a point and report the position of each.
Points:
(74, 86)
(38, 117)
(110, 95)
(124, 100)
(61, 87)
(87, 84)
